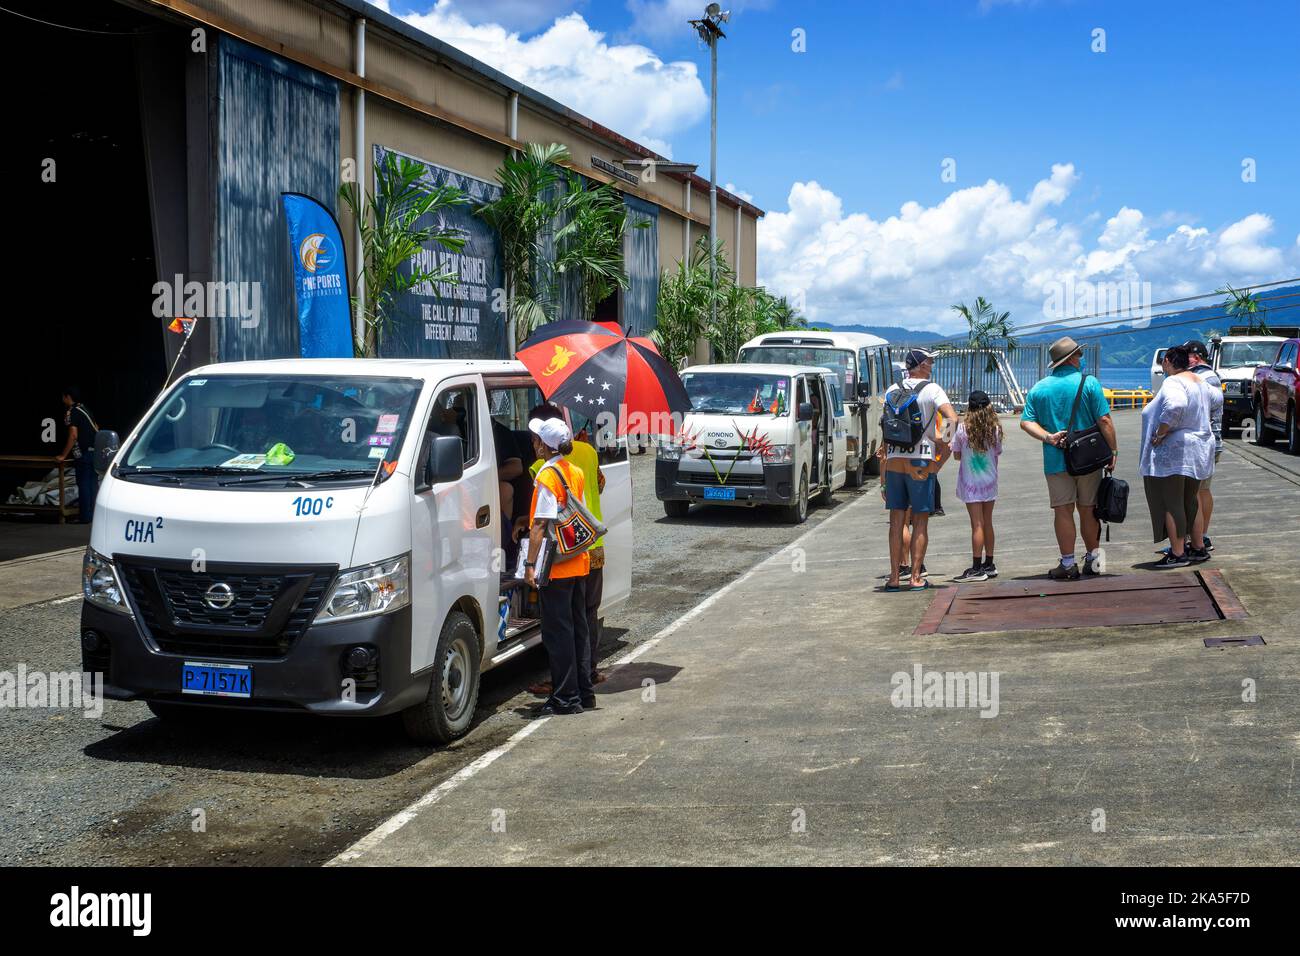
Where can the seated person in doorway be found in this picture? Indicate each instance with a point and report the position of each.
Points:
(510, 478)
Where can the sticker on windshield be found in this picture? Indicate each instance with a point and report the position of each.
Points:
(251, 462)
(378, 452)
(387, 424)
(377, 440)
(198, 381)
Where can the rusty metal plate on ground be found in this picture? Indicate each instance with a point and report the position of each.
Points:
(1122, 600)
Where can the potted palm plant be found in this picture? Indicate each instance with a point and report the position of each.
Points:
(391, 236)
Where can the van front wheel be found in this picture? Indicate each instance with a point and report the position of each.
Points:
(797, 513)
(676, 509)
(448, 709)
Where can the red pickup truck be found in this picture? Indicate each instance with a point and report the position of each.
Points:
(1276, 396)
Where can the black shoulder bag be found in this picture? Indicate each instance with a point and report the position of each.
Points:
(1086, 451)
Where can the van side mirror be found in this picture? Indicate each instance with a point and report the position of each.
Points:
(106, 445)
(446, 459)
(805, 411)
(864, 389)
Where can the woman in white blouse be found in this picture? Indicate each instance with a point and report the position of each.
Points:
(1177, 455)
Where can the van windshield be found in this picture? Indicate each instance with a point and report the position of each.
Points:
(733, 393)
(839, 361)
(231, 425)
(1238, 354)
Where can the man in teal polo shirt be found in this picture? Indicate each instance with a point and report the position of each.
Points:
(1046, 417)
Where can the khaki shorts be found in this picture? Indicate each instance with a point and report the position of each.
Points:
(1065, 489)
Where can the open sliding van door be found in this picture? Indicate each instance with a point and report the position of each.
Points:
(839, 434)
(616, 510)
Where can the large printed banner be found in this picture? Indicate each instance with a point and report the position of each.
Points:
(462, 319)
(320, 278)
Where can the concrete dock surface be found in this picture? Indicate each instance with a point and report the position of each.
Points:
(762, 727)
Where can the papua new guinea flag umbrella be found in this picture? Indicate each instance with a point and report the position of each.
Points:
(592, 368)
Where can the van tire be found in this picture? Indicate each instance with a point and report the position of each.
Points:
(448, 710)
(797, 513)
(856, 476)
(676, 509)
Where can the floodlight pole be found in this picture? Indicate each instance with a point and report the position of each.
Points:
(710, 31)
(713, 178)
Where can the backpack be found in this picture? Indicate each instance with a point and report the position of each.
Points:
(1112, 501)
(903, 426)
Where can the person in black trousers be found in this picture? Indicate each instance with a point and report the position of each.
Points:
(81, 445)
(564, 596)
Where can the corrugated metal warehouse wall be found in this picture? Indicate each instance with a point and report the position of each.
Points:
(277, 131)
(641, 259)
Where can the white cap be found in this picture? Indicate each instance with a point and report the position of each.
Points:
(552, 431)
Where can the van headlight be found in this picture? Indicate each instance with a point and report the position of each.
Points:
(100, 585)
(778, 454)
(668, 450)
(374, 589)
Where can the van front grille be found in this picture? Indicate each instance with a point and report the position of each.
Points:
(225, 610)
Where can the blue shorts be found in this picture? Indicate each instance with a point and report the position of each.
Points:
(902, 491)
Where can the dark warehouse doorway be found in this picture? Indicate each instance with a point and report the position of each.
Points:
(81, 258)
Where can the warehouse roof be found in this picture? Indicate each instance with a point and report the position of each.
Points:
(450, 53)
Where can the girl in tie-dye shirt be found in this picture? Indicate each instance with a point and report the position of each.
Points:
(977, 446)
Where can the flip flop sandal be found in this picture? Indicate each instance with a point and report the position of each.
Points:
(893, 587)
(924, 587)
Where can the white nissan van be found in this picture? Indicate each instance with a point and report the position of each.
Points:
(324, 535)
(756, 435)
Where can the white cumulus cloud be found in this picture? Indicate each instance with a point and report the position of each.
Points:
(626, 86)
(908, 268)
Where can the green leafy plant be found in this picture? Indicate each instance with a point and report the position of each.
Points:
(686, 298)
(685, 295)
(528, 204)
(1241, 304)
(590, 242)
(986, 328)
(392, 237)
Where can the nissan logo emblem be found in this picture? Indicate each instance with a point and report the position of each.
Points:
(219, 596)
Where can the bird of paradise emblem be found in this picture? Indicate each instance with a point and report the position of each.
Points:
(559, 360)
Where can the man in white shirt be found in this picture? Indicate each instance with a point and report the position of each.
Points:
(911, 473)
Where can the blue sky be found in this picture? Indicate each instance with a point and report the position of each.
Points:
(844, 143)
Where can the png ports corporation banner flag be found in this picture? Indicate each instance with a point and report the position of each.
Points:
(320, 278)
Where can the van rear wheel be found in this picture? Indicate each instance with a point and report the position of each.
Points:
(448, 709)
(857, 475)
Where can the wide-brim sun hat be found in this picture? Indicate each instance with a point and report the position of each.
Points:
(1062, 350)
